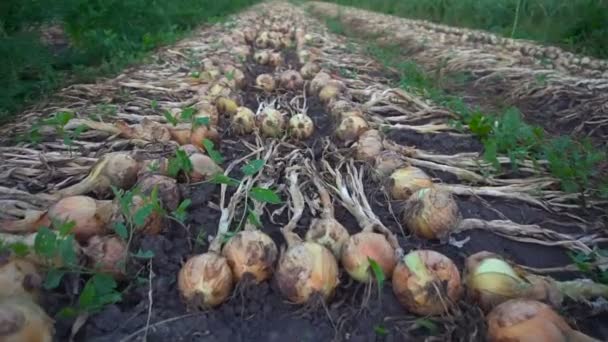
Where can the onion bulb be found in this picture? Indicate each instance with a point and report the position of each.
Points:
(201, 132)
(243, 122)
(351, 128)
(307, 269)
(425, 282)
(19, 277)
(219, 89)
(386, 162)
(275, 59)
(91, 217)
(107, 254)
(319, 82)
(431, 213)
(226, 105)
(205, 109)
(291, 80)
(21, 320)
(369, 146)
(203, 167)
(249, 34)
(336, 107)
(262, 57)
(330, 91)
(265, 82)
(251, 252)
(113, 169)
(304, 56)
(364, 246)
(271, 122)
(520, 320)
(205, 280)
(301, 126)
(233, 73)
(168, 191)
(407, 180)
(310, 70)
(242, 51)
(263, 40)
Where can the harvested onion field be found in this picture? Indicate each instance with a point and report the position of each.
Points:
(267, 179)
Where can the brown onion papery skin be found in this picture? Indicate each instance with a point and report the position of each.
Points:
(420, 296)
(205, 280)
(351, 128)
(21, 320)
(407, 180)
(90, 218)
(520, 320)
(362, 246)
(431, 213)
(305, 270)
(19, 277)
(107, 254)
(168, 191)
(251, 252)
(369, 146)
(328, 232)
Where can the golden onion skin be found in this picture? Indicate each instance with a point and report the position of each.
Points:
(271, 123)
(386, 162)
(205, 280)
(243, 122)
(351, 128)
(21, 320)
(19, 277)
(404, 181)
(431, 213)
(418, 276)
(328, 232)
(90, 216)
(305, 270)
(520, 320)
(369, 146)
(364, 245)
(251, 252)
(301, 126)
(168, 191)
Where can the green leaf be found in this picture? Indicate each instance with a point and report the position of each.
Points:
(120, 228)
(429, 325)
(68, 312)
(154, 104)
(64, 227)
(45, 243)
(265, 195)
(53, 278)
(170, 118)
(187, 113)
(253, 218)
(202, 121)
(147, 254)
(227, 236)
(378, 272)
(104, 283)
(213, 154)
(66, 250)
(86, 299)
(380, 330)
(181, 212)
(20, 249)
(142, 214)
(252, 167)
(62, 118)
(220, 178)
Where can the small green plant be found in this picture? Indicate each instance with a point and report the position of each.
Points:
(180, 162)
(586, 263)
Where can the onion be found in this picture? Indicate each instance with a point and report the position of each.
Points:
(291, 80)
(262, 57)
(226, 105)
(201, 132)
(305, 56)
(249, 34)
(271, 122)
(154, 223)
(243, 122)
(431, 213)
(251, 252)
(91, 217)
(265, 82)
(426, 282)
(330, 91)
(386, 162)
(205, 280)
(326, 230)
(301, 126)
(19, 277)
(263, 40)
(318, 82)
(275, 59)
(168, 191)
(148, 130)
(530, 321)
(285, 42)
(407, 180)
(113, 169)
(21, 320)
(29, 240)
(310, 70)
(364, 246)
(307, 269)
(336, 107)
(181, 134)
(107, 254)
(205, 109)
(203, 167)
(242, 51)
(369, 146)
(219, 89)
(351, 128)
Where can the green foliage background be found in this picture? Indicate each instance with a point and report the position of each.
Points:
(105, 36)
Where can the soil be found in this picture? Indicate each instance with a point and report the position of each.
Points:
(259, 313)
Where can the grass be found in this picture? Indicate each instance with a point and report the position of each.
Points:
(577, 25)
(104, 36)
(575, 163)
